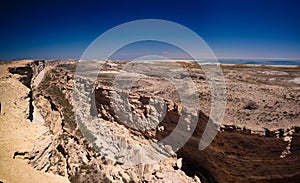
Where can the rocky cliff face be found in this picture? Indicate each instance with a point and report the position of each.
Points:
(64, 151)
(241, 151)
(238, 153)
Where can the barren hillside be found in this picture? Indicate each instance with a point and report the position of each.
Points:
(44, 137)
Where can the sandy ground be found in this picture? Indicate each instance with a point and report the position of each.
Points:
(17, 133)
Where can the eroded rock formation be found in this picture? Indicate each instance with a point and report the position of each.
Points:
(259, 140)
(64, 151)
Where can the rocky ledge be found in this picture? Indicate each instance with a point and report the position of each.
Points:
(258, 141)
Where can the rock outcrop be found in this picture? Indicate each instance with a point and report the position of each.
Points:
(64, 151)
(259, 140)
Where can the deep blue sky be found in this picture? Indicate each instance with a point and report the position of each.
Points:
(53, 29)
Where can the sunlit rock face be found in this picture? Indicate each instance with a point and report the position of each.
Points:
(258, 141)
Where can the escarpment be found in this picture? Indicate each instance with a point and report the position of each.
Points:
(240, 155)
(241, 151)
(258, 141)
(63, 150)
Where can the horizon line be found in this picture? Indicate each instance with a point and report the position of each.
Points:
(245, 58)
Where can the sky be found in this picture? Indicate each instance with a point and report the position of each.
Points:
(64, 29)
